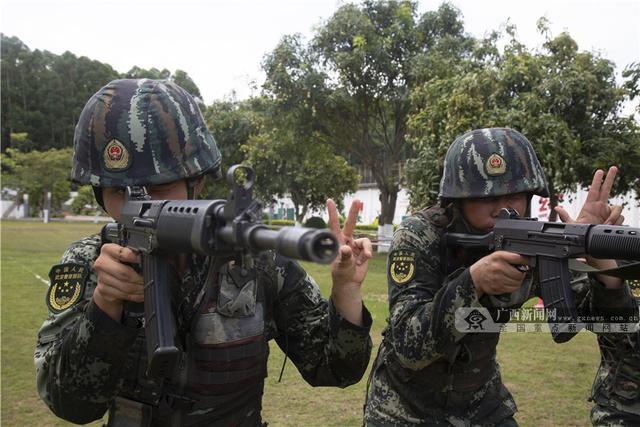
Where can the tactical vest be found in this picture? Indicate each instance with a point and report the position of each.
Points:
(220, 378)
(448, 385)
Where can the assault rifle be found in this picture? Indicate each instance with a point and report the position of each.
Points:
(229, 228)
(550, 245)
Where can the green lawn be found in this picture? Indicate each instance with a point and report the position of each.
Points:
(550, 382)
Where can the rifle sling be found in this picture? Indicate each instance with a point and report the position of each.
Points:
(627, 271)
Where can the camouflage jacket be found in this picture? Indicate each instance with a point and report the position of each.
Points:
(616, 388)
(85, 361)
(427, 371)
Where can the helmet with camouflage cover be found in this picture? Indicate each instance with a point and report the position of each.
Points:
(142, 132)
(491, 162)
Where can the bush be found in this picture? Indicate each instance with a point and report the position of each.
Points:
(282, 222)
(85, 202)
(366, 227)
(315, 222)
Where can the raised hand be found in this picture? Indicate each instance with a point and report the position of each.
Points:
(351, 265)
(349, 269)
(596, 208)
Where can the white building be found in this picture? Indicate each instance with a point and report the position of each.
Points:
(370, 196)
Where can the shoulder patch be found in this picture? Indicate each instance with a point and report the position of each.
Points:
(67, 286)
(634, 285)
(402, 266)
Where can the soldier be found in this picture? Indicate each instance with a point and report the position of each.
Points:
(91, 354)
(616, 388)
(427, 371)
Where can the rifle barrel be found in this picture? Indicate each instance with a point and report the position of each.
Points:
(319, 246)
(614, 241)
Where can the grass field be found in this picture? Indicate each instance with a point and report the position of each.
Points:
(550, 382)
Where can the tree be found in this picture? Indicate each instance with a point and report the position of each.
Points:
(306, 172)
(570, 112)
(232, 123)
(182, 79)
(85, 202)
(153, 73)
(43, 94)
(27, 177)
(372, 50)
(565, 101)
(292, 152)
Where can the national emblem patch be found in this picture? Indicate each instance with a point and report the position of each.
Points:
(495, 165)
(67, 286)
(115, 156)
(402, 266)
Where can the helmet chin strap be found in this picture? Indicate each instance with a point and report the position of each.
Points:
(191, 188)
(97, 193)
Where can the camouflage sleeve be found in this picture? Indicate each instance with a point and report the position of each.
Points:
(595, 300)
(327, 349)
(422, 301)
(80, 350)
(605, 301)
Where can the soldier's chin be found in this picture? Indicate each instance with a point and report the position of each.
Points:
(489, 227)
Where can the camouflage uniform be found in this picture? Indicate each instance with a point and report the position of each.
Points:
(87, 363)
(427, 372)
(616, 388)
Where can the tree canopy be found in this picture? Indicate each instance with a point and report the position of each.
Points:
(42, 93)
(25, 175)
(377, 87)
(565, 101)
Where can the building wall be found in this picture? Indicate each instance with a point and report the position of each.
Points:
(572, 202)
(6, 205)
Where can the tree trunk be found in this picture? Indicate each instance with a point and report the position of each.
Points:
(553, 202)
(303, 214)
(388, 198)
(296, 208)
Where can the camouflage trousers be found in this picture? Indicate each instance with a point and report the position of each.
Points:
(605, 416)
(507, 422)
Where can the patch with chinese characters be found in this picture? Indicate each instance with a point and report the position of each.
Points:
(495, 165)
(402, 266)
(67, 286)
(115, 156)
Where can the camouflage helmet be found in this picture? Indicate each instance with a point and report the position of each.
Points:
(142, 132)
(491, 162)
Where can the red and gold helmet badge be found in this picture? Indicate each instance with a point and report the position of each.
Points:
(115, 156)
(495, 165)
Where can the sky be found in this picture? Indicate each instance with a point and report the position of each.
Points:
(221, 44)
